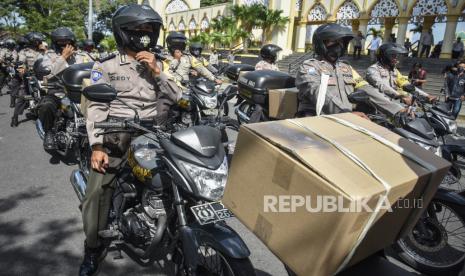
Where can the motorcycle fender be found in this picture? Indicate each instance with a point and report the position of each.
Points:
(219, 236)
(450, 196)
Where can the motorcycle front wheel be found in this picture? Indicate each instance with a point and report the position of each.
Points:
(436, 246)
(214, 263)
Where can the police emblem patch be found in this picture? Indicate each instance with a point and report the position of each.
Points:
(145, 40)
(95, 75)
(311, 71)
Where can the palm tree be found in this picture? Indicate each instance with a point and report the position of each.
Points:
(249, 18)
(270, 20)
(227, 32)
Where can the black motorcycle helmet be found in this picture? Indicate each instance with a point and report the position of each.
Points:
(34, 39)
(88, 45)
(388, 54)
(176, 41)
(195, 49)
(22, 42)
(331, 32)
(61, 37)
(128, 19)
(10, 43)
(269, 52)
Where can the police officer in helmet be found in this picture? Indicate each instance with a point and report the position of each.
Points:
(57, 59)
(26, 58)
(195, 49)
(181, 64)
(141, 82)
(330, 75)
(8, 57)
(269, 55)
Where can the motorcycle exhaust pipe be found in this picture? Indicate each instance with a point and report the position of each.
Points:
(79, 183)
(40, 129)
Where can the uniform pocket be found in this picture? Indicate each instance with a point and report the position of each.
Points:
(123, 85)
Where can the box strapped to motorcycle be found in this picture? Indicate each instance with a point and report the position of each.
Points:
(72, 78)
(254, 86)
(233, 71)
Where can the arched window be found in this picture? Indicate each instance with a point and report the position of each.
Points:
(204, 24)
(317, 13)
(176, 6)
(347, 12)
(384, 8)
(172, 27)
(251, 2)
(181, 25)
(192, 24)
(429, 7)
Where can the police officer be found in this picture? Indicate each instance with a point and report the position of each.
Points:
(195, 49)
(181, 64)
(8, 59)
(328, 74)
(385, 76)
(140, 81)
(26, 58)
(57, 59)
(88, 46)
(269, 54)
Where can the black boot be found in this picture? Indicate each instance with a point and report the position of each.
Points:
(14, 121)
(12, 102)
(92, 259)
(49, 141)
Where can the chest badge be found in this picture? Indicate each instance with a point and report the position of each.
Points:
(145, 40)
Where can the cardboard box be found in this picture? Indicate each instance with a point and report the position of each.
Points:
(282, 103)
(276, 160)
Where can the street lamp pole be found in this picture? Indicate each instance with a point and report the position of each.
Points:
(89, 28)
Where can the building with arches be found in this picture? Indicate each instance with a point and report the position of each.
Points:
(394, 16)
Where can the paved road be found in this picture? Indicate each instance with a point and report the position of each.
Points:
(40, 224)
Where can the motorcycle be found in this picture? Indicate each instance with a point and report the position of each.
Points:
(70, 125)
(165, 202)
(434, 246)
(253, 91)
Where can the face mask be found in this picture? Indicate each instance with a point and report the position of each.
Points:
(460, 69)
(141, 41)
(196, 53)
(334, 52)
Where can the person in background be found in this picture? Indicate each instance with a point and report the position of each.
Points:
(457, 49)
(408, 45)
(417, 75)
(231, 57)
(426, 41)
(455, 86)
(373, 46)
(214, 59)
(392, 38)
(358, 42)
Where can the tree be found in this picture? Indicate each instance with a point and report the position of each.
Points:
(249, 18)
(46, 15)
(227, 32)
(270, 20)
(104, 12)
(9, 17)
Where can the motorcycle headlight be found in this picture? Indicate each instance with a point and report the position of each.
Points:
(210, 183)
(210, 102)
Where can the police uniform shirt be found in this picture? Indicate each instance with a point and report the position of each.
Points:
(8, 56)
(341, 83)
(180, 69)
(390, 82)
(264, 65)
(56, 63)
(27, 57)
(135, 85)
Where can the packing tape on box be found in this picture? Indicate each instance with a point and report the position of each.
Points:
(425, 165)
(367, 169)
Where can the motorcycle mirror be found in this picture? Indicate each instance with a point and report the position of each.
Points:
(101, 93)
(359, 96)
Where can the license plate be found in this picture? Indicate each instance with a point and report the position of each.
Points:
(211, 212)
(81, 121)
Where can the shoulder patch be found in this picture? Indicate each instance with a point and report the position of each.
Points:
(96, 74)
(312, 71)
